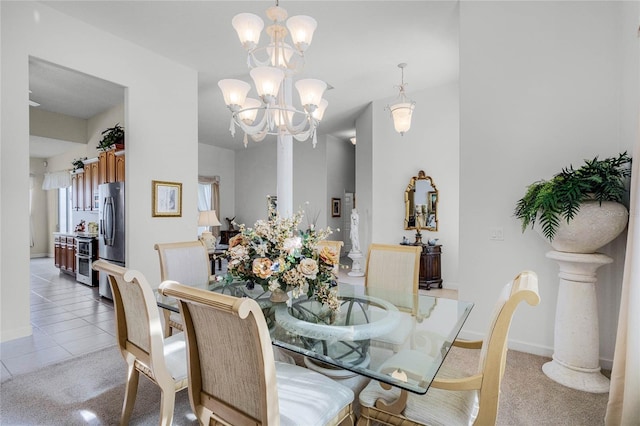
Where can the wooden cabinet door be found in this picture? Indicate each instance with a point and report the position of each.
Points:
(77, 191)
(57, 251)
(102, 168)
(91, 177)
(88, 187)
(111, 166)
(119, 168)
(70, 255)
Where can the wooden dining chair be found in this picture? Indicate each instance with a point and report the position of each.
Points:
(452, 399)
(233, 378)
(140, 339)
(188, 263)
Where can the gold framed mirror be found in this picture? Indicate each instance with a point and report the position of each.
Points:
(421, 203)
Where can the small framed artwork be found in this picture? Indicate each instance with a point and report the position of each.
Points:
(336, 207)
(166, 199)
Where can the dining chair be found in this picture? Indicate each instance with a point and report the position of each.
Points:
(140, 339)
(337, 247)
(392, 273)
(186, 262)
(452, 399)
(233, 378)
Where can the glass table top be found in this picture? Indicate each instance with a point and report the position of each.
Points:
(399, 339)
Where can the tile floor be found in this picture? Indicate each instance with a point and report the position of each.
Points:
(71, 319)
(68, 319)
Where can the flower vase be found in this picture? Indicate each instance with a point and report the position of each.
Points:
(278, 296)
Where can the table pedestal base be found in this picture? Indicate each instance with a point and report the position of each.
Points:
(576, 357)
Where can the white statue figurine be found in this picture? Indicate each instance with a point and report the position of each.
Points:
(355, 240)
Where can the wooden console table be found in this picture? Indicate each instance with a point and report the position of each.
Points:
(430, 271)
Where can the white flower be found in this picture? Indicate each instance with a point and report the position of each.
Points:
(308, 268)
(291, 244)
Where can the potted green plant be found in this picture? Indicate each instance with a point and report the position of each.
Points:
(78, 163)
(112, 136)
(548, 204)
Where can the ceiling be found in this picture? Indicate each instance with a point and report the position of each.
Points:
(356, 50)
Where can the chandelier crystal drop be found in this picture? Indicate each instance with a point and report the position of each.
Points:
(402, 110)
(272, 68)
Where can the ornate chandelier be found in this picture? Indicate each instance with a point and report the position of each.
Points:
(402, 110)
(271, 69)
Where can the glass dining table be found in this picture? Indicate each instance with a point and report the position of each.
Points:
(397, 339)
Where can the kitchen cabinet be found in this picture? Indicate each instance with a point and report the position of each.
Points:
(111, 166)
(77, 189)
(119, 166)
(91, 176)
(65, 253)
(57, 250)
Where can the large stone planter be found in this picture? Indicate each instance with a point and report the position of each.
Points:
(594, 226)
(576, 356)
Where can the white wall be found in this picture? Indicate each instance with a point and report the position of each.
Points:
(215, 161)
(255, 173)
(540, 88)
(40, 232)
(161, 123)
(431, 145)
(341, 178)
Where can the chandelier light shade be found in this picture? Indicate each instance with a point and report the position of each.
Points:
(249, 27)
(234, 92)
(402, 110)
(272, 68)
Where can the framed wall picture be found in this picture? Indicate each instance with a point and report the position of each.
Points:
(336, 207)
(166, 199)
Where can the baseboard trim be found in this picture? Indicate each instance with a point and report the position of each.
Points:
(16, 333)
(530, 348)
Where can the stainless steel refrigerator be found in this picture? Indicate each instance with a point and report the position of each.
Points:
(111, 230)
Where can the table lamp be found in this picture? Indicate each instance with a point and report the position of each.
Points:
(208, 218)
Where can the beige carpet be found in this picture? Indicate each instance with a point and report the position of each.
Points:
(88, 390)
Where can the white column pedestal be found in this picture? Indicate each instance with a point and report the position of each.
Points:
(576, 357)
(356, 269)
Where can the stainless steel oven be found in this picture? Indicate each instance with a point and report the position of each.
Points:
(86, 254)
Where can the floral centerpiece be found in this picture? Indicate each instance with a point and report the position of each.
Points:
(278, 256)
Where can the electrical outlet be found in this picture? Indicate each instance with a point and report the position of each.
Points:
(496, 233)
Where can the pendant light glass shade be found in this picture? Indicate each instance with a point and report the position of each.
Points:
(279, 117)
(401, 114)
(301, 28)
(310, 91)
(267, 81)
(234, 91)
(248, 26)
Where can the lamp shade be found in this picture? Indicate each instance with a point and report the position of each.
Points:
(208, 218)
(234, 92)
(250, 110)
(301, 28)
(401, 113)
(267, 81)
(248, 26)
(310, 91)
(319, 112)
(283, 52)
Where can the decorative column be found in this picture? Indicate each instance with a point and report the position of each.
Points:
(576, 357)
